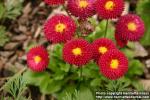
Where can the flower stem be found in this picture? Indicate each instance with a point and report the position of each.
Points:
(80, 78)
(106, 28)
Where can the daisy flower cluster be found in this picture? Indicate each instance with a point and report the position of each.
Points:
(113, 64)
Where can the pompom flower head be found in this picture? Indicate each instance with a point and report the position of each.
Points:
(82, 8)
(54, 2)
(101, 46)
(59, 28)
(113, 64)
(108, 9)
(119, 41)
(37, 59)
(77, 52)
(130, 27)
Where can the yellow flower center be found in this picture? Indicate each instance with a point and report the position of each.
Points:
(114, 64)
(131, 26)
(60, 27)
(83, 4)
(37, 59)
(103, 50)
(109, 5)
(77, 51)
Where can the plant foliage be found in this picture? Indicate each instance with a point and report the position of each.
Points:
(9, 9)
(16, 87)
(3, 36)
(62, 78)
(143, 9)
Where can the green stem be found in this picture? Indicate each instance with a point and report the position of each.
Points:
(106, 28)
(81, 76)
(114, 85)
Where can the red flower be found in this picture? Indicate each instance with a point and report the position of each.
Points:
(130, 27)
(77, 52)
(82, 8)
(108, 9)
(59, 28)
(37, 59)
(113, 64)
(54, 2)
(119, 41)
(101, 46)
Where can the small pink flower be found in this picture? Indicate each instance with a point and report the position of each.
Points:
(130, 27)
(113, 64)
(77, 52)
(37, 59)
(108, 9)
(101, 46)
(59, 28)
(82, 8)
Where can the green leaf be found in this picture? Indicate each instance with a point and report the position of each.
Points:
(2, 10)
(56, 61)
(96, 82)
(135, 68)
(91, 70)
(44, 81)
(53, 65)
(50, 86)
(64, 67)
(57, 52)
(137, 85)
(36, 78)
(3, 37)
(129, 53)
(100, 31)
(143, 7)
(118, 85)
(59, 75)
(13, 8)
(85, 94)
(15, 86)
(69, 88)
(90, 73)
